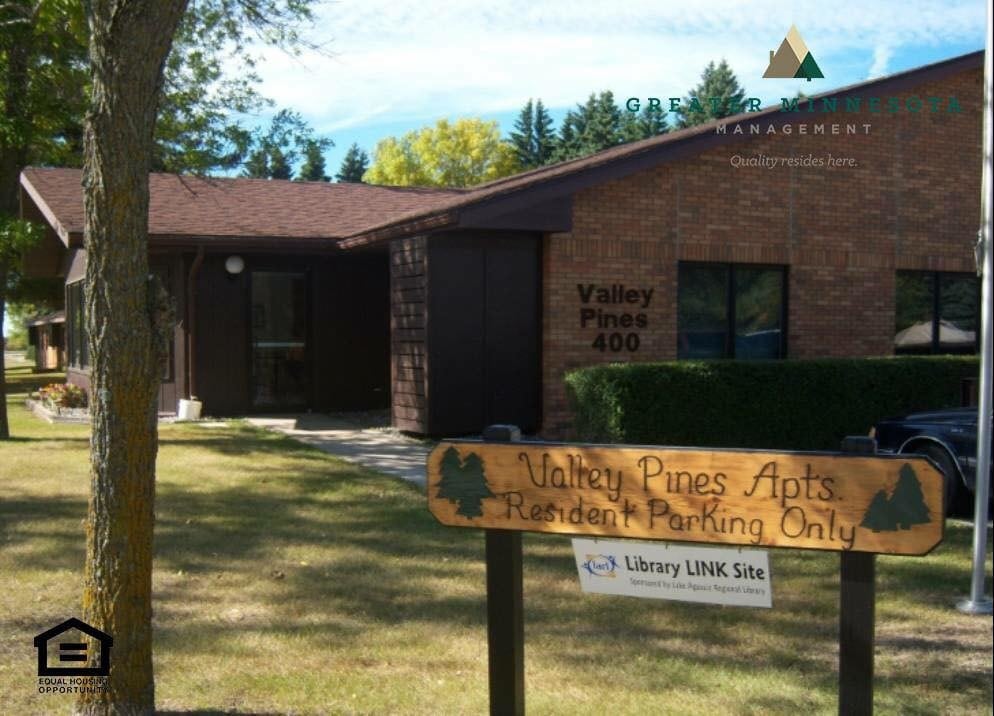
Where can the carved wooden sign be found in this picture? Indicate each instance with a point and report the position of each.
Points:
(825, 501)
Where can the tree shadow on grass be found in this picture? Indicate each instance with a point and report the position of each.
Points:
(373, 557)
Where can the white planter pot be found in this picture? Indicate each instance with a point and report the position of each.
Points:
(189, 409)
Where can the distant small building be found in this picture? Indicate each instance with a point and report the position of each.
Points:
(47, 335)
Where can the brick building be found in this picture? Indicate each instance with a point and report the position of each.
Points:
(844, 228)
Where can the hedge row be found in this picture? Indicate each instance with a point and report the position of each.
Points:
(787, 405)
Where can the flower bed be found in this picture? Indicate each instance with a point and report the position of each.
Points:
(60, 401)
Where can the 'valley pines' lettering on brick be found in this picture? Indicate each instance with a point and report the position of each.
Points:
(615, 293)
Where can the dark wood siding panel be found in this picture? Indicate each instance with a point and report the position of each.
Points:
(484, 336)
(408, 330)
(222, 338)
(351, 332)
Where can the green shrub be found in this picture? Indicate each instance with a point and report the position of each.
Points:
(787, 405)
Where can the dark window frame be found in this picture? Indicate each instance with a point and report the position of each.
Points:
(730, 303)
(77, 341)
(936, 309)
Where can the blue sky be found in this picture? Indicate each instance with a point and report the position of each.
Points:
(397, 65)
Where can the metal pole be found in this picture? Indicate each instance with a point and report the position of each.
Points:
(979, 603)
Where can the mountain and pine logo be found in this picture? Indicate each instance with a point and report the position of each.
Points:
(793, 59)
(905, 506)
(463, 481)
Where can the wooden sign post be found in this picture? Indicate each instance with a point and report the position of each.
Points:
(855, 502)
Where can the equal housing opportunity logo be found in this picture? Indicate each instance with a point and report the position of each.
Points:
(73, 658)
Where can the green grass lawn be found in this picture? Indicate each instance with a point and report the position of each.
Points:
(288, 581)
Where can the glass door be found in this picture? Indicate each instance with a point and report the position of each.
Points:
(279, 340)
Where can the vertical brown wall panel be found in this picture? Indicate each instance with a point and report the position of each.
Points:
(408, 334)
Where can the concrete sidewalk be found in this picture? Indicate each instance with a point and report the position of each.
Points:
(363, 438)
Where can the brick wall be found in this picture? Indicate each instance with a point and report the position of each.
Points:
(408, 324)
(912, 202)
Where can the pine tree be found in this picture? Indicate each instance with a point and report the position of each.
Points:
(257, 164)
(718, 95)
(279, 166)
(878, 516)
(907, 503)
(603, 125)
(451, 469)
(354, 165)
(568, 143)
(652, 122)
(523, 137)
(474, 487)
(545, 138)
(314, 166)
(809, 68)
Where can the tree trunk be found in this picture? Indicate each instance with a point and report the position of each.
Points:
(17, 48)
(4, 425)
(129, 41)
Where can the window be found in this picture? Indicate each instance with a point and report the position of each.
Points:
(936, 312)
(731, 311)
(77, 348)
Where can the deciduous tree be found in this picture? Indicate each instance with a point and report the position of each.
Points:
(128, 321)
(461, 153)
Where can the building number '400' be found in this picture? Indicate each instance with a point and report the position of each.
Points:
(616, 342)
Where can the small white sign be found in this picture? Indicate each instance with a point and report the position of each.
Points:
(739, 577)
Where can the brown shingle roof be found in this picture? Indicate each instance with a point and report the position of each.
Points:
(239, 208)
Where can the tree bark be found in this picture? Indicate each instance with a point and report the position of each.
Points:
(129, 41)
(17, 48)
(4, 425)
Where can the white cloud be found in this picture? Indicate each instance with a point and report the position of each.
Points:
(400, 59)
(882, 54)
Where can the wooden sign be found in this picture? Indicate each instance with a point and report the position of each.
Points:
(826, 501)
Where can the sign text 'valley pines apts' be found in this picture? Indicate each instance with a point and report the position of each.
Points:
(826, 501)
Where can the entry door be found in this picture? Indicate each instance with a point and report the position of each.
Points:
(280, 370)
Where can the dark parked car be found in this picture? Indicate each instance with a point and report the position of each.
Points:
(949, 437)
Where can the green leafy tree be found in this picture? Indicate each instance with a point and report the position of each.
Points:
(718, 95)
(313, 168)
(110, 61)
(878, 516)
(354, 165)
(463, 153)
(16, 237)
(199, 128)
(276, 148)
(45, 88)
(907, 503)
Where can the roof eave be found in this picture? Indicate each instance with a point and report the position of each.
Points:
(65, 236)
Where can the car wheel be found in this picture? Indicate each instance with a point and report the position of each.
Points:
(941, 458)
